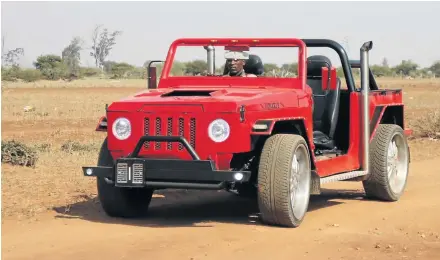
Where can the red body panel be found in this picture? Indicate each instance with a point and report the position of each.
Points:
(223, 103)
(352, 160)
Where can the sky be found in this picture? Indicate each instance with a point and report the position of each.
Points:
(399, 30)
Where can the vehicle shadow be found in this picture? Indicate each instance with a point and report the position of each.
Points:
(183, 208)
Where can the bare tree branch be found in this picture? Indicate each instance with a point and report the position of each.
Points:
(102, 44)
(10, 57)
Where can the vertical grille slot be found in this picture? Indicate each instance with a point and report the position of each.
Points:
(170, 126)
(170, 132)
(193, 133)
(158, 132)
(138, 173)
(147, 131)
(121, 173)
(181, 131)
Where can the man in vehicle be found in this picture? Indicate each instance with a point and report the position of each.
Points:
(235, 62)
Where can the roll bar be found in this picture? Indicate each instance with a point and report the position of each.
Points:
(342, 55)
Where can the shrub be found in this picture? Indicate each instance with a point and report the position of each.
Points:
(30, 75)
(45, 147)
(89, 72)
(74, 146)
(428, 126)
(16, 153)
(51, 67)
(10, 74)
(136, 73)
(120, 70)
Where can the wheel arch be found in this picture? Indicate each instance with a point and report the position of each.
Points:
(393, 114)
(282, 126)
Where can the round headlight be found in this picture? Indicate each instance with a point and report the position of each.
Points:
(218, 130)
(121, 128)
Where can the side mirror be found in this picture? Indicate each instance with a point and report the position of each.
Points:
(328, 78)
(152, 78)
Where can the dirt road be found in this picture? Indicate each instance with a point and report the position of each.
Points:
(340, 224)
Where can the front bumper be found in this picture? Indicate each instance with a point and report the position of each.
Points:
(134, 171)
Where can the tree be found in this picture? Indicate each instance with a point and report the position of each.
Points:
(71, 56)
(435, 68)
(407, 67)
(119, 70)
(178, 68)
(380, 71)
(270, 67)
(196, 67)
(51, 66)
(107, 66)
(10, 57)
(102, 43)
(385, 63)
(290, 67)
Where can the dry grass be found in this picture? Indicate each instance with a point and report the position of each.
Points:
(62, 130)
(80, 83)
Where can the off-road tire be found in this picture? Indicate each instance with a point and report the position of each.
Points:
(274, 179)
(378, 184)
(120, 202)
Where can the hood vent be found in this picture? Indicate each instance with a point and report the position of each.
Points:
(189, 93)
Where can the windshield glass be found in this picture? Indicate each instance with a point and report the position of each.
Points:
(194, 61)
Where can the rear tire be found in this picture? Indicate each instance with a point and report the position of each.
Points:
(389, 164)
(120, 202)
(284, 180)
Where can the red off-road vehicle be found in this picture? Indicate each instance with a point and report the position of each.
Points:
(278, 138)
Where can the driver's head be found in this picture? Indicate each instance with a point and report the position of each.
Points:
(235, 60)
(235, 66)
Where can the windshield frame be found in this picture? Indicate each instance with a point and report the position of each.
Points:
(228, 42)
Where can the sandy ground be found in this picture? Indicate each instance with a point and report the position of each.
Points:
(51, 212)
(340, 224)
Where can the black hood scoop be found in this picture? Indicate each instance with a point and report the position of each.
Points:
(188, 93)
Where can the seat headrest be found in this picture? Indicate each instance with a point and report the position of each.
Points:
(315, 64)
(253, 65)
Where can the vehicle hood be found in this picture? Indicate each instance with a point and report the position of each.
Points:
(212, 99)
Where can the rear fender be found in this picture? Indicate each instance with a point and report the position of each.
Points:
(393, 114)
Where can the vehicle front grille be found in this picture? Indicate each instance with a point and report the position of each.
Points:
(170, 126)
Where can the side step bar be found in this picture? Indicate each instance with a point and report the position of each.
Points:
(342, 176)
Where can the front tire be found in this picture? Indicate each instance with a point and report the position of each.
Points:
(120, 202)
(284, 179)
(389, 164)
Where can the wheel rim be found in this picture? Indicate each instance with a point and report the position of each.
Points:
(299, 182)
(397, 163)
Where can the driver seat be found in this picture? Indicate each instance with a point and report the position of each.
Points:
(325, 103)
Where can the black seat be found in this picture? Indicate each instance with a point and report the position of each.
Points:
(254, 65)
(326, 103)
